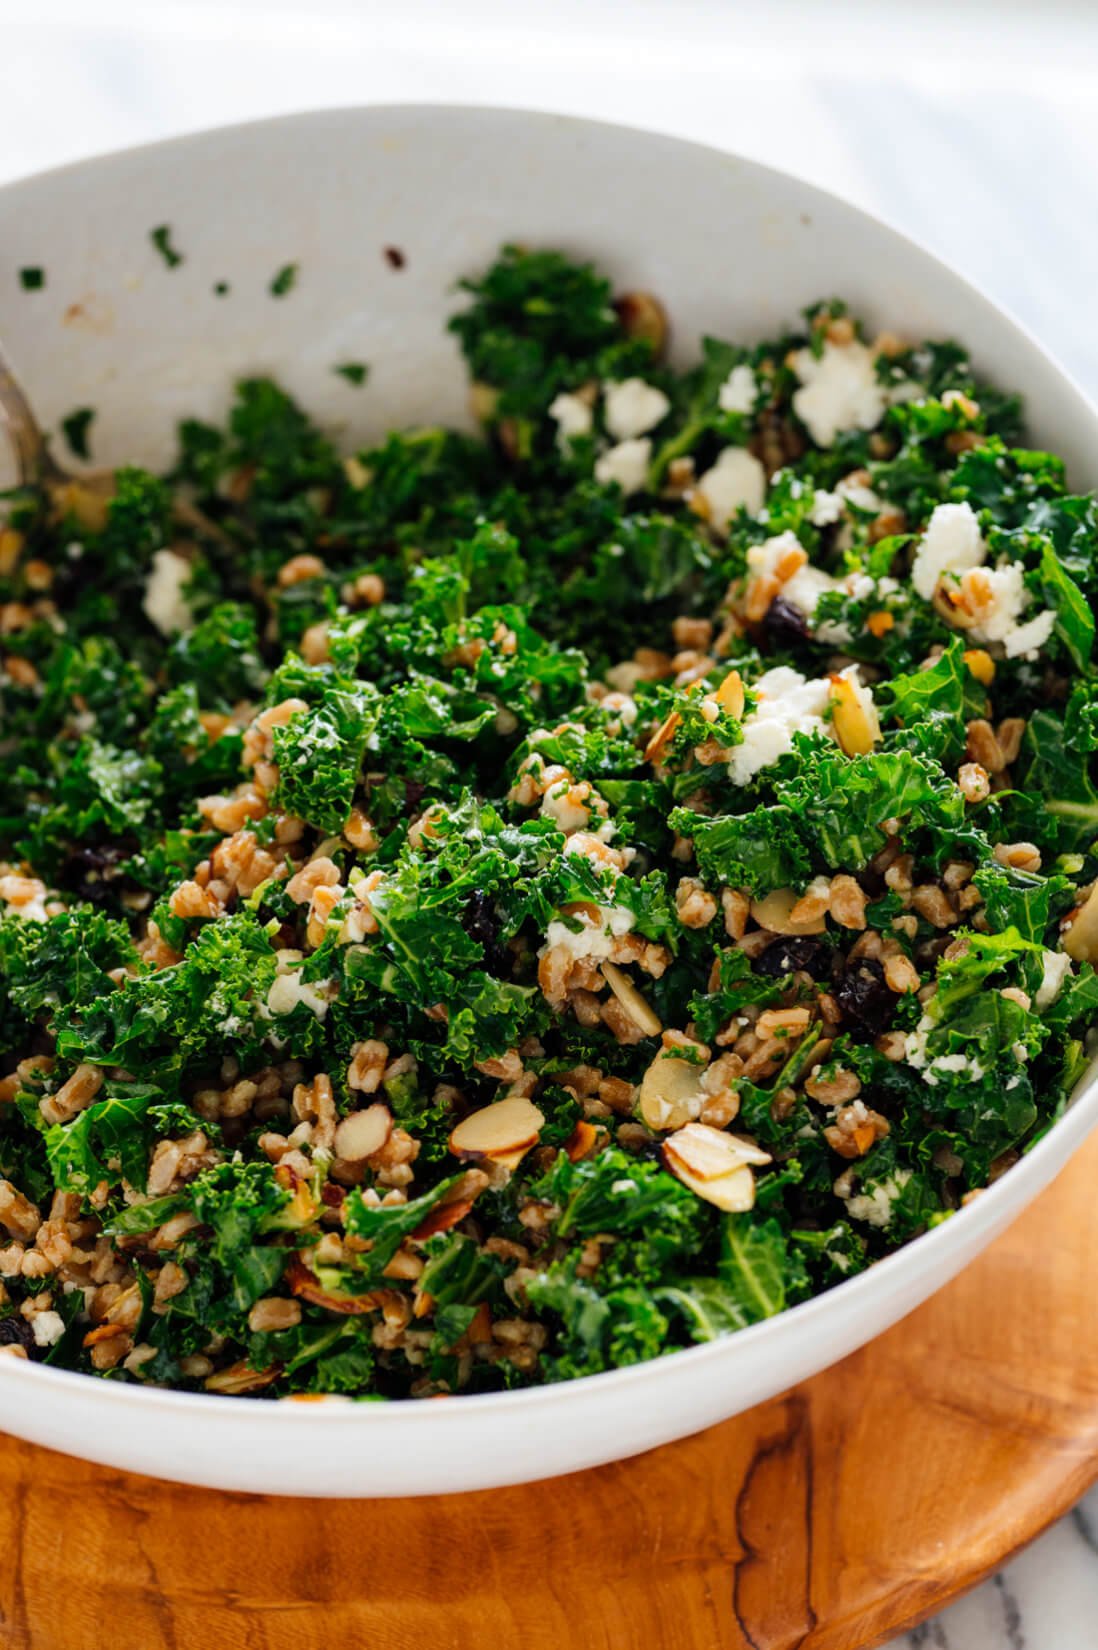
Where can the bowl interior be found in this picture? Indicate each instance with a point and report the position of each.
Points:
(382, 211)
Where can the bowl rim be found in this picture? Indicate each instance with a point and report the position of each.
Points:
(1078, 1119)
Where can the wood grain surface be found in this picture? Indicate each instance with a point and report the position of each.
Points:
(842, 1511)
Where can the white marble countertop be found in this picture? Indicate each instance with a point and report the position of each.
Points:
(972, 126)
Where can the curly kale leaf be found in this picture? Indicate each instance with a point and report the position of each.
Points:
(538, 324)
(319, 754)
(756, 1275)
(760, 850)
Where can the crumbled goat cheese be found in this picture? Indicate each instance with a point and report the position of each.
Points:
(1026, 640)
(788, 703)
(632, 408)
(1057, 967)
(48, 1328)
(164, 603)
(952, 543)
(905, 389)
(593, 940)
(946, 1065)
(288, 990)
(737, 478)
(839, 391)
(627, 464)
(1008, 599)
(826, 508)
(740, 390)
(573, 417)
(875, 1207)
(859, 495)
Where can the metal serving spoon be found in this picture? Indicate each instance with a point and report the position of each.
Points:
(83, 496)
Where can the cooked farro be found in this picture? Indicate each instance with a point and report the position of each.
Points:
(484, 911)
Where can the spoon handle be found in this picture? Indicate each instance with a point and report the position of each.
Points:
(22, 430)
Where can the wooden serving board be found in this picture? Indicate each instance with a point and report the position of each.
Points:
(847, 1509)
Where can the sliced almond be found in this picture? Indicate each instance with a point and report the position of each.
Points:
(642, 1015)
(241, 1377)
(730, 695)
(582, 1141)
(671, 1092)
(506, 1126)
(775, 912)
(306, 1286)
(662, 737)
(363, 1133)
(441, 1218)
(1080, 939)
(734, 1193)
(854, 717)
(709, 1154)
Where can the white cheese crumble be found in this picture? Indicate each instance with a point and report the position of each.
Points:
(1008, 599)
(593, 940)
(288, 990)
(573, 417)
(164, 603)
(1026, 640)
(1056, 968)
(737, 478)
(788, 703)
(839, 391)
(826, 508)
(875, 1207)
(740, 390)
(952, 543)
(632, 407)
(627, 464)
(48, 1328)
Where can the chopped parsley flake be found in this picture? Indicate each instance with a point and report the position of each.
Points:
(161, 238)
(76, 428)
(32, 278)
(284, 281)
(355, 372)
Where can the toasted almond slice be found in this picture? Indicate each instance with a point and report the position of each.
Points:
(1081, 938)
(582, 1141)
(363, 1133)
(730, 694)
(853, 716)
(306, 1286)
(441, 1218)
(662, 737)
(642, 1015)
(671, 1092)
(510, 1160)
(775, 912)
(495, 1131)
(241, 1377)
(734, 1193)
(708, 1153)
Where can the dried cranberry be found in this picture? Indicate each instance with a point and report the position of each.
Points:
(864, 997)
(784, 624)
(91, 874)
(801, 951)
(481, 923)
(16, 1331)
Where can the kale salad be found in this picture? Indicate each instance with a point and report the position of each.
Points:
(496, 908)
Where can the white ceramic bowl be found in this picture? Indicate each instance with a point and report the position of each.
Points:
(734, 249)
